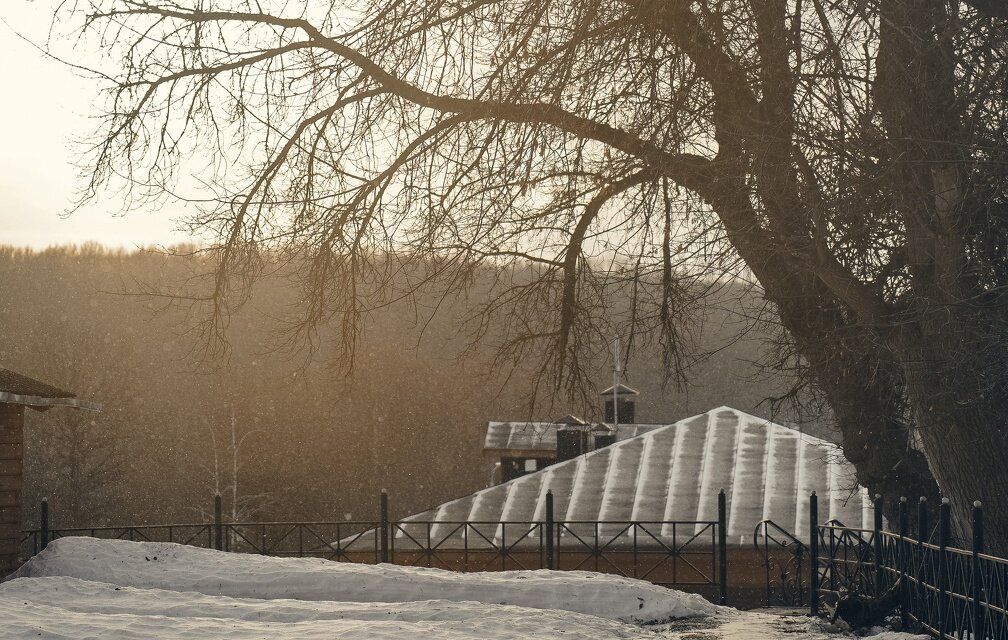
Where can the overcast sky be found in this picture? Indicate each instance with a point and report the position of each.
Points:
(44, 108)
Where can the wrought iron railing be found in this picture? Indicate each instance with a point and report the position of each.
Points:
(197, 535)
(671, 553)
(337, 540)
(468, 545)
(663, 552)
(846, 558)
(784, 559)
(941, 589)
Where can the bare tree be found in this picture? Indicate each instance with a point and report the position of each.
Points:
(241, 505)
(847, 156)
(79, 456)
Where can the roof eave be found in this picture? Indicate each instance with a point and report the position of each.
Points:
(546, 452)
(40, 403)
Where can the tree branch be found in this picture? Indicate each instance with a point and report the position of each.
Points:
(689, 170)
(568, 301)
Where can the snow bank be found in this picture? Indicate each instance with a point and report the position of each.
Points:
(173, 567)
(87, 588)
(730, 624)
(60, 607)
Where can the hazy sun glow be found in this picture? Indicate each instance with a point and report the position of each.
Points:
(45, 108)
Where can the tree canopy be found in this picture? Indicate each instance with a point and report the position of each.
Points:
(847, 156)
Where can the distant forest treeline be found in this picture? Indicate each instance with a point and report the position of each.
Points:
(309, 442)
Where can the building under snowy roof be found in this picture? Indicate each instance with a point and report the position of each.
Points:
(18, 391)
(661, 474)
(527, 447)
(539, 439)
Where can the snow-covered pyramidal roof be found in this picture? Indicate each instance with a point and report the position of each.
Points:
(674, 473)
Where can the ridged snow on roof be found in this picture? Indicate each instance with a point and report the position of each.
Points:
(541, 436)
(673, 473)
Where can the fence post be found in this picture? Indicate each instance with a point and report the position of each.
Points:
(384, 526)
(877, 544)
(44, 524)
(923, 536)
(922, 521)
(978, 547)
(549, 529)
(814, 554)
(944, 520)
(218, 523)
(722, 511)
(901, 559)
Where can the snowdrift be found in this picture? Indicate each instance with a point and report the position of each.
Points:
(71, 608)
(176, 567)
(85, 587)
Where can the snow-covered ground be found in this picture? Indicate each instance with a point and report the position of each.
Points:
(88, 588)
(730, 624)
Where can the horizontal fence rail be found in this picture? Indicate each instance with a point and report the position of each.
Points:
(668, 553)
(338, 540)
(196, 535)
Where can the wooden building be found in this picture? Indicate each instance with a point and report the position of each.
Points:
(16, 393)
(521, 448)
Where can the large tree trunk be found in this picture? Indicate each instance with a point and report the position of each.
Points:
(865, 395)
(947, 345)
(847, 361)
(967, 452)
(865, 390)
(961, 408)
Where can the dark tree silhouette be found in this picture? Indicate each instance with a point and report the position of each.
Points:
(848, 156)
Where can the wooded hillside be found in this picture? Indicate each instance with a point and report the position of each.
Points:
(310, 442)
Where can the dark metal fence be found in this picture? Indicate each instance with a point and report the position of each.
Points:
(332, 540)
(669, 553)
(942, 589)
(665, 553)
(785, 562)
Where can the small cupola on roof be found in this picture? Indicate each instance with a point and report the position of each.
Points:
(571, 437)
(619, 404)
(604, 436)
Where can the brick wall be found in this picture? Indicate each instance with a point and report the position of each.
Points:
(11, 456)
